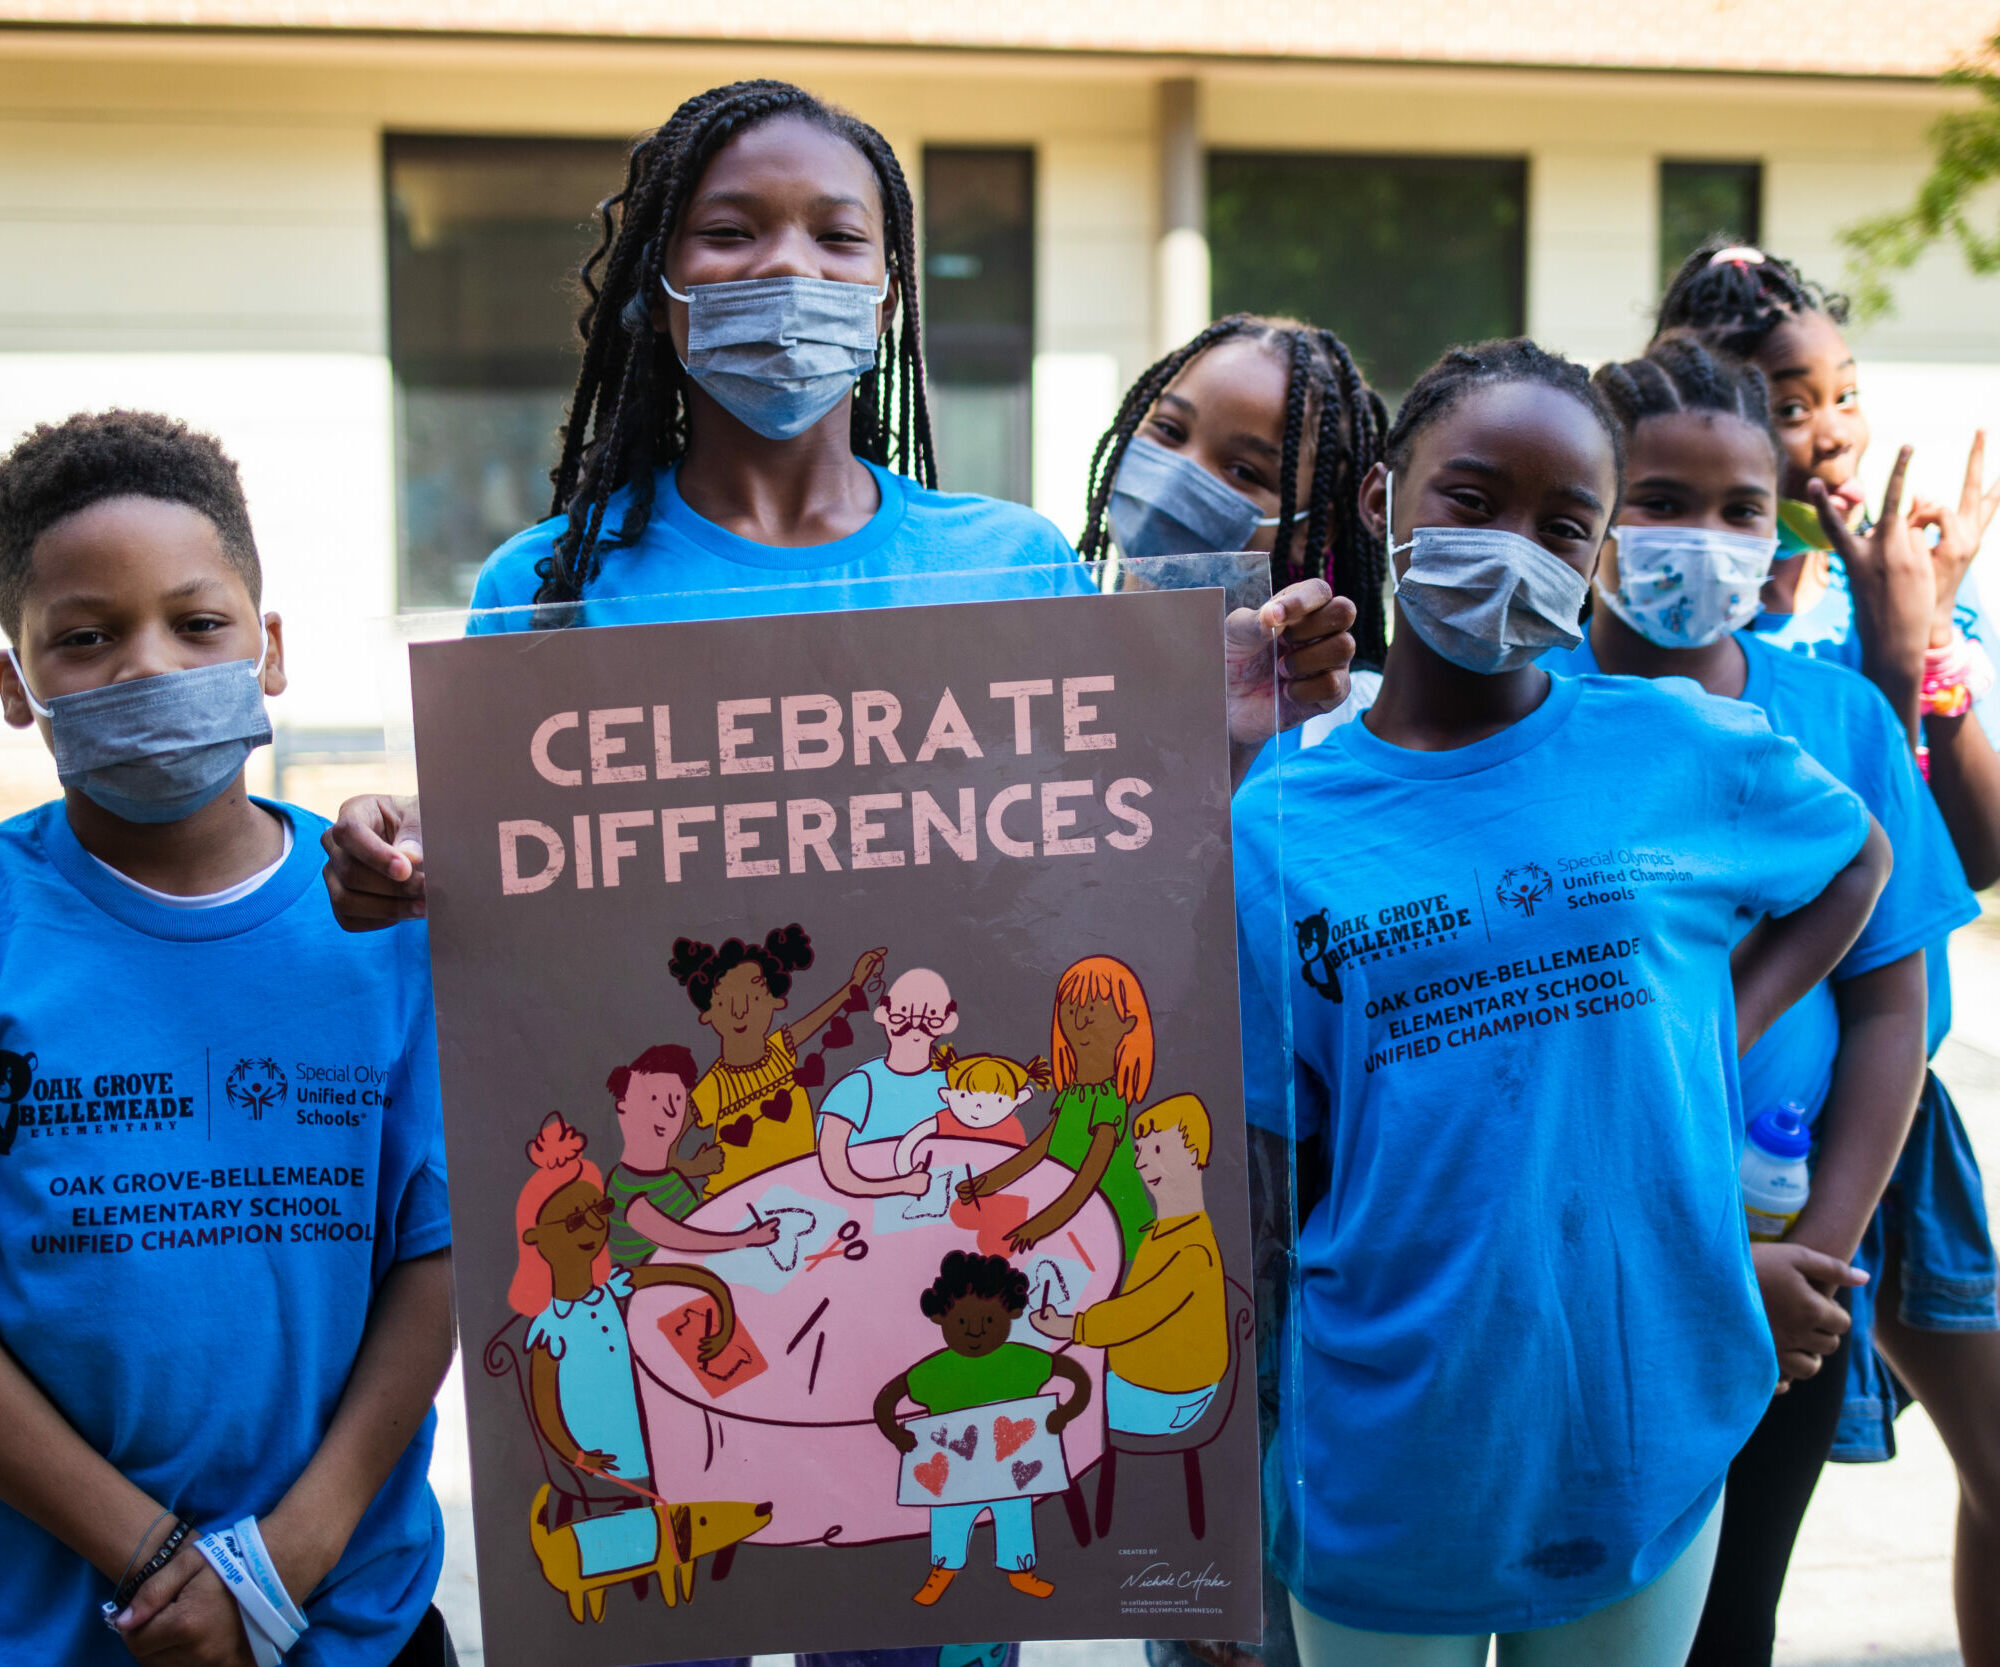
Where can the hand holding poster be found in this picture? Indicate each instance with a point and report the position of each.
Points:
(838, 1025)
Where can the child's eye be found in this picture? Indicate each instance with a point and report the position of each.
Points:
(1249, 475)
(1167, 429)
(1656, 504)
(1569, 531)
(1791, 411)
(1849, 399)
(204, 625)
(84, 636)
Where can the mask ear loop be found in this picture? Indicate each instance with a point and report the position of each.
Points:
(1389, 517)
(34, 705)
(263, 648)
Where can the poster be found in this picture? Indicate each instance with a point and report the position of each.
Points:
(837, 1016)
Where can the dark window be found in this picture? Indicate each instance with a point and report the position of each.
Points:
(979, 314)
(485, 240)
(1400, 256)
(1700, 200)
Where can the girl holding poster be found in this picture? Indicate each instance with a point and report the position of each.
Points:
(750, 434)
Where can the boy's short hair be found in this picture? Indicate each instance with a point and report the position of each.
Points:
(61, 468)
(966, 1274)
(664, 1059)
(1186, 1113)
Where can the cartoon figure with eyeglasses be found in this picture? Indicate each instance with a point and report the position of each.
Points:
(585, 1398)
(752, 1096)
(886, 1098)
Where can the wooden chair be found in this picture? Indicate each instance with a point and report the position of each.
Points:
(1242, 1317)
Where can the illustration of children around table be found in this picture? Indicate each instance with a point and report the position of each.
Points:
(585, 1399)
(653, 1190)
(989, 1438)
(884, 1099)
(1101, 1038)
(752, 1096)
(1165, 1334)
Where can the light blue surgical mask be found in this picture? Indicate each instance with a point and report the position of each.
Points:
(779, 353)
(157, 749)
(1163, 503)
(1487, 600)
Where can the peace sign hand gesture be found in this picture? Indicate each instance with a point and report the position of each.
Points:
(1960, 532)
(1890, 576)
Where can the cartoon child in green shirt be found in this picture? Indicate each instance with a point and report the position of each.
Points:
(975, 1301)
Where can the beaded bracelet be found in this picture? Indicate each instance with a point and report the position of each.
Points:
(1954, 677)
(128, 1588)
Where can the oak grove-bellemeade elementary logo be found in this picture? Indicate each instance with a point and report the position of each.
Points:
(255, 1085)
(1524, 886)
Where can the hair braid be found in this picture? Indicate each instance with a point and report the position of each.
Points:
(628, 416)
(1298, 384)
(1733, 303)
(1682, 374)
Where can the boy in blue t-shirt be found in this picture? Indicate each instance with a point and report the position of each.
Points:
(225, 1266)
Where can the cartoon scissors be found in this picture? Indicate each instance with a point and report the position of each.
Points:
(846, 1241)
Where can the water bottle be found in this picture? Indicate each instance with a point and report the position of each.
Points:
(1773, 1172)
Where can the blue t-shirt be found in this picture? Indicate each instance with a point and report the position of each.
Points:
(1847, 725)
(883, 1104)
(1825, 631)
(230, 1135)
(1496, 980)
(919, 546)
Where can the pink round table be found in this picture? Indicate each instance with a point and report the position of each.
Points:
(786, 1413)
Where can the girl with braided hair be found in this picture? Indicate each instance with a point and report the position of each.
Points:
(1582, 1230)
(1893, 598)
(1695, 537)
(750, 434)
(1877, 600)
(1254, 435)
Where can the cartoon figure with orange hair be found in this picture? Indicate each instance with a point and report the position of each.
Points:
(1101, 1037)
(580, 1379)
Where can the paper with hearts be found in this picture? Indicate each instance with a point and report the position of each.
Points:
(999, 1451)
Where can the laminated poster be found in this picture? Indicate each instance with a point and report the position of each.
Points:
(838, 1025)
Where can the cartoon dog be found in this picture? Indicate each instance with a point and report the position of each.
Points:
(644, 1540)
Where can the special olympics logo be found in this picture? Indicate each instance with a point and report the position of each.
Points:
(256, 1085)
(1524, 886)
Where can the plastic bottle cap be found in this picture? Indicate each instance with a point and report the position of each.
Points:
(1782, 1132)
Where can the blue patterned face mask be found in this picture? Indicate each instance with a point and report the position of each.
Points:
(1684, 587)
(157, 749)
(779, 353)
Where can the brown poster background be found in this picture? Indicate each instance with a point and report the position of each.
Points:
(544, 989)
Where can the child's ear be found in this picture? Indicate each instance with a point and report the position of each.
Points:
(13, 698)
(1373, 501)
(1027, 1093)
(531, 1235)
(273, 679)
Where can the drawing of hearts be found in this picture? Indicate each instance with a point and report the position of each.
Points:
(931, 1473)
(1024, 1473)
(810, 1072)
(967, 1444)
(1010, 1435)
(939, 1437)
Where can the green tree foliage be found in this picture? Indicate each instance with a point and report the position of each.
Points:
(1966, 158)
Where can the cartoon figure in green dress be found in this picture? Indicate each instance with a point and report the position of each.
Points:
(1101, 1037)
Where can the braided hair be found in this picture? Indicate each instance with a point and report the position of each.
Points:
(1680, 373)
(1326, 390)
(699, 967)
(629, 414)
(1734, 296)
(1515, 359)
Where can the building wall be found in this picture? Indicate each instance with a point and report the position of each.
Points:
(198, 225)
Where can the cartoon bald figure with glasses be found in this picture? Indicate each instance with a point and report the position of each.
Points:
(879, 1102)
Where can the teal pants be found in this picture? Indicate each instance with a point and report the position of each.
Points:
(1652, 1628)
